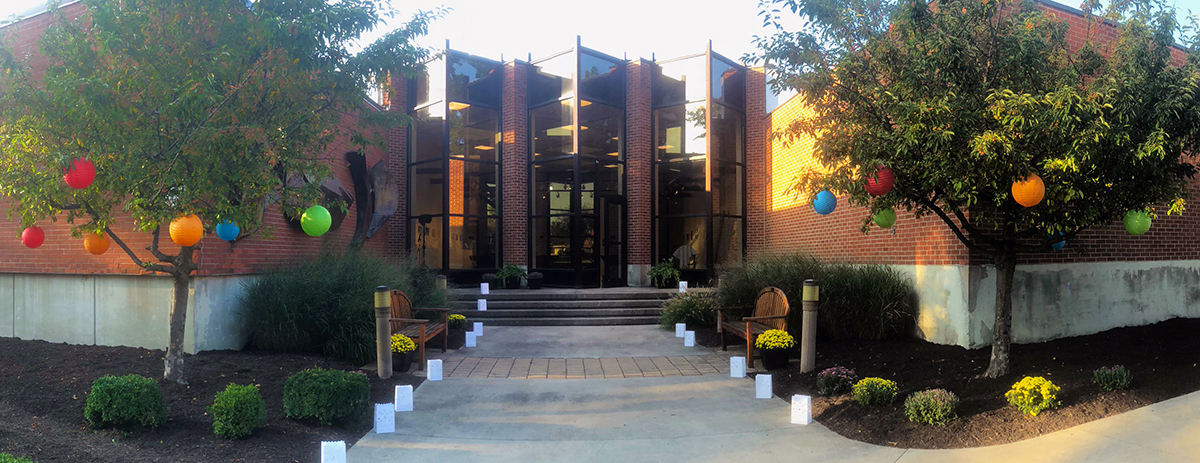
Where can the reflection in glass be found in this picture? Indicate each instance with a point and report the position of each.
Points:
(727, 241)
(552, 185)
(727, 188)
(474, 80)
(681, 187)
(472, 242)
(474, 132)
(428, 183)
(728, 84)
(682, 240)
(553, 80)
(552, 242)
(472, 188)
(430, 86)
(426, 240)
(686, 75)
(600, 129)
(728, 134)
(603, 79)
(679, 132)
(427, 132)
(553, 130)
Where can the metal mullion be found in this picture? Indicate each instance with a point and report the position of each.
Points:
(446, 163)
(576, 193)
(708, 160)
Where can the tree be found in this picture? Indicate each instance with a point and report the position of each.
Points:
(217, 108)
(962, 98)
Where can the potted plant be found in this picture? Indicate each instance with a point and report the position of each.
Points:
(664, 275)
(511, 276)
(492, 281)
(456, 334)
(776, 347)
(534, 280)
(403, 350)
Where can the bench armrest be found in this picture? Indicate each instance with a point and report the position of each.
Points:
(768, 317)
(409, 320)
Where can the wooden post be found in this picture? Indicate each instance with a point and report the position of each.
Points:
(808, 346)
(383, 331)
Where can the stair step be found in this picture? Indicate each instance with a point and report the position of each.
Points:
(559, 295)
(563, 313)
(572, 321)
(584, 304)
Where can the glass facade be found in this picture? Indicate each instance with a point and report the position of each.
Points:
(454, 164)
(699, 166)
(577, 168)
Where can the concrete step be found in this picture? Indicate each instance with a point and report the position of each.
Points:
(570, 321)
(563, 313)
(564, 304)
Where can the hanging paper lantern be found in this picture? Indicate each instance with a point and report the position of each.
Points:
(824, 202)
(885, 218)
(80, 174)
(187, 230)
(1030, 191)
(1137, 222)
(316, 221)
(1057, 245)
(33, 237)
(228, 231)
(881, 183)
(95, 243)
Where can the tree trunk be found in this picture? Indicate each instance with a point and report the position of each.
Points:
(173, 362)
(1006, 266)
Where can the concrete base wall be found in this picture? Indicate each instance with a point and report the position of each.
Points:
(120, 310)
(636, 275)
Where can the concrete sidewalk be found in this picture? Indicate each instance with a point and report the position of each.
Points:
(578, 342)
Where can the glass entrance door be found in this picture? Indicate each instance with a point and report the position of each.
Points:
(612, 241)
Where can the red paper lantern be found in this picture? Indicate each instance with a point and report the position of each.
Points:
(80, 174)
(33, 237)
(881, 183)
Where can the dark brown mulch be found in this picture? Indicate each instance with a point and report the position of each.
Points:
(43, 387)
(1163, 358)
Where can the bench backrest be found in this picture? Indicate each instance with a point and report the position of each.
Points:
(772, 301)
(401, 308)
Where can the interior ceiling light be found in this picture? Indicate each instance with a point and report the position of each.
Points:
(665, 147)
(584, 103)
(484, 147)
(456, 106)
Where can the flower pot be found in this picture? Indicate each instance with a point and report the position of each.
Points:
(666, 284)
(512, 283)
(534, 283)
(456, 338)
(774, 359)
(402, 362)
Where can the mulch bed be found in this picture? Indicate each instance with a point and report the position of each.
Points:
(43, 387)
(1163, 359)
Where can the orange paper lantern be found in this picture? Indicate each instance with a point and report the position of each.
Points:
(1029, 192)
(95, 243)
(187, 230)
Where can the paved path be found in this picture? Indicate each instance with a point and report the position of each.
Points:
(578, 342)
(584, 368)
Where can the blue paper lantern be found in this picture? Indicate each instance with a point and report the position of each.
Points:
(1058, 245)
(824, 202)
(228, 231)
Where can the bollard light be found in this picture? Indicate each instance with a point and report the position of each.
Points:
(808, 341)
(383, 331)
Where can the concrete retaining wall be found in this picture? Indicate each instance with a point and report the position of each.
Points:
(119, 310)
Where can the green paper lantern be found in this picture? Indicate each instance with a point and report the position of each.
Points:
(316, 221)
(885, 218)
(1137, 222)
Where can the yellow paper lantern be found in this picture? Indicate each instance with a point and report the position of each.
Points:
(1029, 192)
(187, 230)
(95, 243)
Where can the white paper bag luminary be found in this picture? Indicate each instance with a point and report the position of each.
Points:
(434, 370)
(404, 398)
(478, 329)
(470, 339)
(683, 286)
(689, 339)
(680, 328)
(483, 288)
(762, 387)
(737, 367)
(801, 409)
(385, 418)
(333, 452)
(483, 305)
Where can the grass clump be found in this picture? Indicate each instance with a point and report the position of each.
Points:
(694, 309)
(1112, 378)
(933, 407)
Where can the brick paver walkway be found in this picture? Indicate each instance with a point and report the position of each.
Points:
(581, 368)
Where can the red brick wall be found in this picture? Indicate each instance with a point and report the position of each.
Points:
(515, 165)
(757, 178)
(639, 140)
(28, 34)
(397, 143)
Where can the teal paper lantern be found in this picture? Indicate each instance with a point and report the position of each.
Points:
(316, 221)
(1057, 245)
(885, 218)
(825, 202)
(1137, 222)
(228, 231)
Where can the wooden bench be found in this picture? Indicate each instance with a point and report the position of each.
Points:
(770, 313)
(419, 330)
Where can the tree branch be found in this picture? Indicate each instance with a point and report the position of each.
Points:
(161, 256)
(136, 259)
(953, 227)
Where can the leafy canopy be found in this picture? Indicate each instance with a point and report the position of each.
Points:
(962, 98)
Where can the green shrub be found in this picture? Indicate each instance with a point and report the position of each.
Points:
(934, 406)
(1112, 379)
(694, 308)
(129, 403)
(835, 380)
(510, 271)
(327, 306)
(874, 391)
(6, 458)
(328, 396)
(1033, 394)
(663, 273)
(238, 411)
(857, 301)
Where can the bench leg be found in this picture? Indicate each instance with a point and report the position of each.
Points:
(421, 366)
(445, 338)
(749, 350)
(724, 345)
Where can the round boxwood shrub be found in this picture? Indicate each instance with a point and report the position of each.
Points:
(129, 403)
(328, 396)
(874, 391)
(238, 411)
(1033, 394)
(934, 406)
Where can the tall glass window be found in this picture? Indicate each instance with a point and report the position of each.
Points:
(577, 164)
(699, 129)
(454, 163)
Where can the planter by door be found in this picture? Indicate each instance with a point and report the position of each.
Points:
(665, 284)
(774, 359)
(456, 338)
(534, 283)
(402, 362)
(512, 283)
